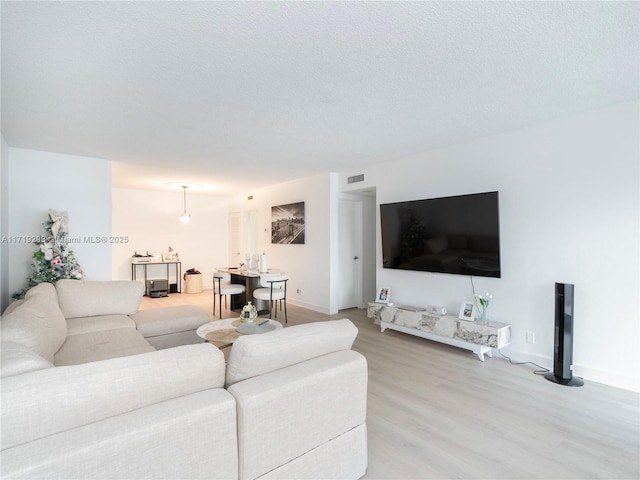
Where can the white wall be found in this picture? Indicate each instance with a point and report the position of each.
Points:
(39, 181)
(5, 296)
(308, 265)
(569, 212)
(369, 246)
(149, 222)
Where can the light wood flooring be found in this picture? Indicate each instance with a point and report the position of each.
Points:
(437, 412)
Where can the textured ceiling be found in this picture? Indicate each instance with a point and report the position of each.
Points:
(246, 93)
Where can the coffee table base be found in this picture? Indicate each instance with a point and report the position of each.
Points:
(223, 338)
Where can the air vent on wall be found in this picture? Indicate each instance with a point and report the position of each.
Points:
(356, 178)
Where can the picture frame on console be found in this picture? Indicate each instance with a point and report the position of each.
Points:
(166, 256)
(383, 295)
(468, 311)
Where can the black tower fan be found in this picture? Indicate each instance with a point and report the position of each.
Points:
(563, 340)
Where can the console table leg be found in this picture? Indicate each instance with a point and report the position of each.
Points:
(482, 351)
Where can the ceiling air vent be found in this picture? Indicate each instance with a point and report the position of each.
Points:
(356, 178)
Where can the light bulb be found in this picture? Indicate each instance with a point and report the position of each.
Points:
(185, 217)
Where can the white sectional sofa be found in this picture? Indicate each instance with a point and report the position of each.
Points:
(85, 395)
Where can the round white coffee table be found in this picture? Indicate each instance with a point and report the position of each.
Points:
(222, 333)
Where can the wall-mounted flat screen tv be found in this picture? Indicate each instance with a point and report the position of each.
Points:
(458, 235)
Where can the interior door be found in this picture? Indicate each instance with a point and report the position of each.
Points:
(234, 240)
(350, 254)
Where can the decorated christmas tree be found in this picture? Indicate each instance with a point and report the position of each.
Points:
(53, 260)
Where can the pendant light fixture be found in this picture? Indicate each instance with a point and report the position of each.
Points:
(185, 216)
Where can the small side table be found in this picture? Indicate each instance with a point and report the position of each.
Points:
(178, 272)
(222, 333)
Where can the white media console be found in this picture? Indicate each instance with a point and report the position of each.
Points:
(480, 339)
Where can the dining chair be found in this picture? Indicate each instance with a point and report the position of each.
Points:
(222, 287)
(274, 288)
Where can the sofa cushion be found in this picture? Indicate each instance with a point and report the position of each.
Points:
(98, 323)
(168, 320)
(254, 355)
(55, 400)
(37, 323)
(16, 359)
(101, 345)
(85, 298)
(170, 439)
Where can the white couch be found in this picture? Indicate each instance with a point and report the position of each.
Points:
(289, 404)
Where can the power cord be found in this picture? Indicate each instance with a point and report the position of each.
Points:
(536, 372)
(542, 370)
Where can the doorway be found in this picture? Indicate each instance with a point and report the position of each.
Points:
(350, 253)
(356, 250)
(243, 236)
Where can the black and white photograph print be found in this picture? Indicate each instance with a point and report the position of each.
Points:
(467, 311)
(287, 223)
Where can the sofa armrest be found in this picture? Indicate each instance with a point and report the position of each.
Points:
(286, 413)
(53, 400)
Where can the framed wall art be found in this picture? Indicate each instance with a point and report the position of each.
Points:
(288, 224)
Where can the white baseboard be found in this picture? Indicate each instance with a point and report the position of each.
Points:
(309, 306)
(586, 372)
(607, 377)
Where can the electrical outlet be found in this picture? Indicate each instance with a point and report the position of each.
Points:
(531, 337)
(299, 292)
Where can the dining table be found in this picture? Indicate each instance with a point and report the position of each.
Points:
(251, 280)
